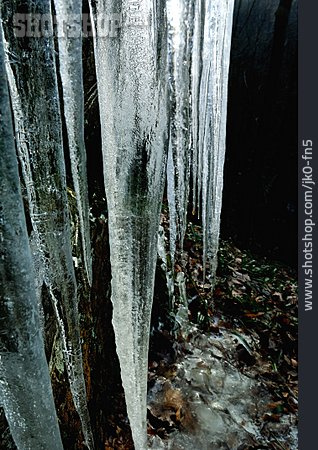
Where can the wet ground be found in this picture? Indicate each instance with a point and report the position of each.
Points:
(233, 383)
(205, 401)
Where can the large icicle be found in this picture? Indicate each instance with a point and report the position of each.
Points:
(132, 97)
(34, 96)
(212, 126)
(25, 389)
(70, 63)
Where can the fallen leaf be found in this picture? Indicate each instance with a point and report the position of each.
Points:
(254, 315)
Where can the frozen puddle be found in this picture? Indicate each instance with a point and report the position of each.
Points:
(215, 405)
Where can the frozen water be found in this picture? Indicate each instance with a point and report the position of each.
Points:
(218, 16)
(25, 389)
(164, 265)
(199, 54)
(36, 113)
(70, 64)
(223, 406)
(131, 74)
(135, 57)
(179, 26)
(171, 193)
(195, 91)
(133, 103)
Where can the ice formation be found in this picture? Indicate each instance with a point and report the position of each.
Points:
(162, 72)
(199, 55)
(25, 389)
(36, 111)
(133, 107)
(70, 65)
(216, 46)
(215, 392)
(179, 52)
(130, 57)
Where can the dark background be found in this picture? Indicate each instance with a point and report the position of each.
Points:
(260, 186)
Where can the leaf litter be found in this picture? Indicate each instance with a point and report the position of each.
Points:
(233, 383)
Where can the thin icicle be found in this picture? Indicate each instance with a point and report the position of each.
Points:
(171, 193)
(179, 29)
(225, 62)
(212, 129)
(132, 100)
(25, 388)
(35, 103)
(70, 63)
(195, 92)
(165, 266)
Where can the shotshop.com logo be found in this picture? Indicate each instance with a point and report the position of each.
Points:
(76, 26)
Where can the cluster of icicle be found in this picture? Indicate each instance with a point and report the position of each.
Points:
(162, 86)
(32, 81)
(199, 55)
(25, 389)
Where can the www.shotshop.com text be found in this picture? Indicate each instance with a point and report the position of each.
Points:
(308, 184)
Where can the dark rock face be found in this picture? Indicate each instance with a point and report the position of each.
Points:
(260, 185)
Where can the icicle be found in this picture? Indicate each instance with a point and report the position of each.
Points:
(195, 92)
(165, 267)
(225, 63)
(171, 193)
(182, 289)
(182, 313)
(198, 123)
(132, 99)
(35, 103)
(70, 63)
(212, 129)
(25, 389)
(179, 23)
